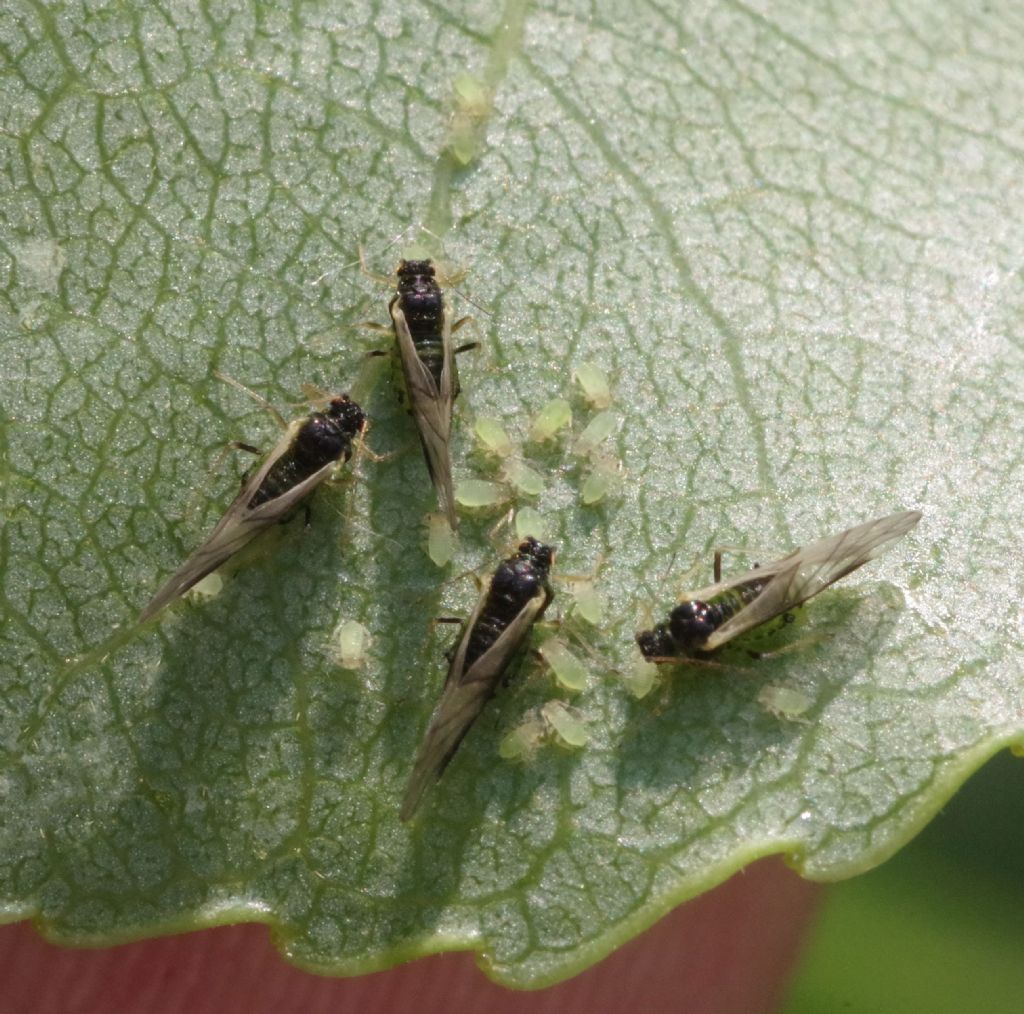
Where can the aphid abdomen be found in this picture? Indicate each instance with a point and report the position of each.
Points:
(690, 624)
(513, 585)
(422, 303)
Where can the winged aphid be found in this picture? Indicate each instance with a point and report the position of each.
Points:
(304, 457)
(514, 599)
(710, 617)
(423, 332)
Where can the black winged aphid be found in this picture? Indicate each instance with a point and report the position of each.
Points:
(514, 599)
(712, 616)
(423, 332)
(304, 457)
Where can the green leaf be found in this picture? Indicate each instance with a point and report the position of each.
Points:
(792, 239)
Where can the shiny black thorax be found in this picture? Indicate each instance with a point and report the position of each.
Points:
(691, 623)
(324, 437)
(422, 304)
(516, 581)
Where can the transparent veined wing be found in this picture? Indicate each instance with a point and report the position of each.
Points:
(431, 405)
(800, 575)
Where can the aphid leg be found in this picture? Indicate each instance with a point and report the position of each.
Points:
(700, 662)
(237, 445)
(372, 325)
(280, 419)
(308, 511)
(469, 344)
(718, 566)
(232, 445)
(364, 448)
(370, 273)
(799, 644)
(449, 652)
(648, 620)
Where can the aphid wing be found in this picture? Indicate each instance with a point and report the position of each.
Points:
(807, 571)
(760, 575)
(824, 562)
(465, 694)
(458, 663)
(218, 548)
(493, 662)
(449, 371)
(431, 409)
(238, 526)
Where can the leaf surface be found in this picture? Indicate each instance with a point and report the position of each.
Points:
(793, 239)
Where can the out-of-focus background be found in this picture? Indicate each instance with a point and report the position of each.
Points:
(939, 927)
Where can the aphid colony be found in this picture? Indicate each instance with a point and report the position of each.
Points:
(519, 591)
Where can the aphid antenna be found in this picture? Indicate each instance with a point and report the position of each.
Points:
(361, 262)
(688, 576)
(372, 366)
(376, 276)
(474, 574)
(472, 302)
(280, 419)
(477, 580)
(389, 279)
(506, 545)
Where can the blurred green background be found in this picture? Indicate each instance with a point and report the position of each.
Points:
(937, 928)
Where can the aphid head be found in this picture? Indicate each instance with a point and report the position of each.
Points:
(348, 413)
(655, 643)
(410, 269)
(537, 553)
(328, 434)
(690, 625)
